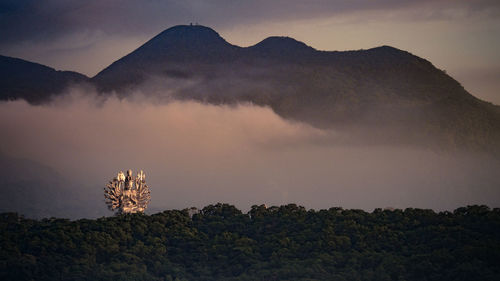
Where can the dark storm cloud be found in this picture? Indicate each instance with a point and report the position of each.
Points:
(30, 20)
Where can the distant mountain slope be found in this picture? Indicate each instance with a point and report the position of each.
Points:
(36, 190)
(183, 44)
(387, 94)
(32, 81)
(382, 95)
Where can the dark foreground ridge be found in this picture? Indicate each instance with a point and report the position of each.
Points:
(278, 243)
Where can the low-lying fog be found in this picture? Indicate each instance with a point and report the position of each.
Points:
(196, 154)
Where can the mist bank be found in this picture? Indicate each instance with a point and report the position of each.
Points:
(195, 154)
(379, 96)
(394, 96)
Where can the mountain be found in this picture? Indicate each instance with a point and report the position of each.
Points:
(38, 191)
(184, 45)
(32, 81)
(382, 94)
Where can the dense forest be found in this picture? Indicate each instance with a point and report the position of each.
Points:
(288, 242)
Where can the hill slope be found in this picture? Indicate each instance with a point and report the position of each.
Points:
(37, 191)
(388, 94)
(380, 96)
(184, 44)
(33, 82)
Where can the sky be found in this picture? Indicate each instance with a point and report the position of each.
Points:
(460, 36)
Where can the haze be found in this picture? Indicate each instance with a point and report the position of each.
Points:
(56, 158)
(195, 154)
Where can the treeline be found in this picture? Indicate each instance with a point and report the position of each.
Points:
(288, 242)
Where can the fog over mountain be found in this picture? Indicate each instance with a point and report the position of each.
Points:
(404, 97)
(383, 94)
(274, 123)
(195, 154)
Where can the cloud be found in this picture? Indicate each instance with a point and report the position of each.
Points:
(28, 20)
(195, 154)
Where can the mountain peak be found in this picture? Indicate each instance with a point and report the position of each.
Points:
(181, 43)
(186, 36)
(280, 44)
(189, 31)
(385, 49)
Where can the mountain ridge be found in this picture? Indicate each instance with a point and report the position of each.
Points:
(34, 82)
(394, 95)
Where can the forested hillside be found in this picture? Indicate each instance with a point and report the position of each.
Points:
(377, 96)
(278, 243)
(33, 82)
(382, 95)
